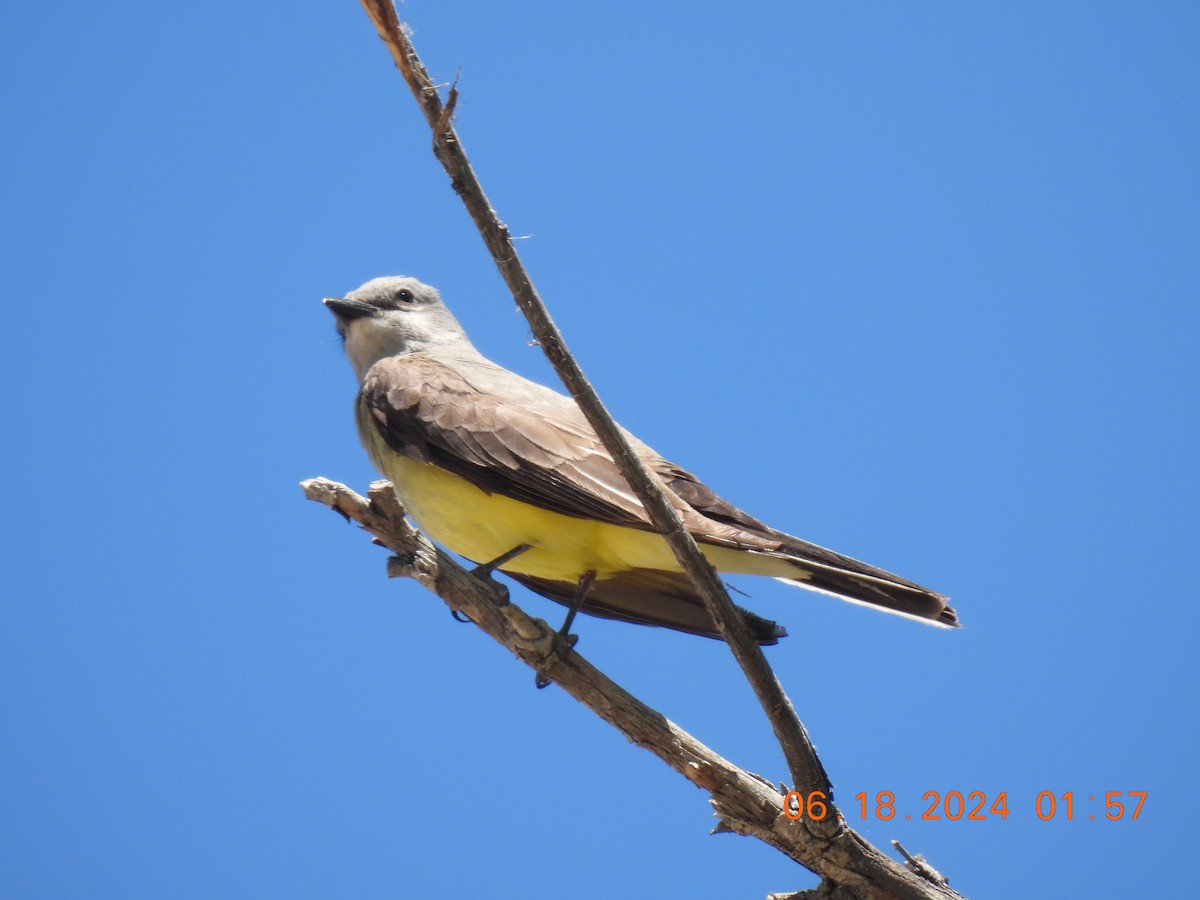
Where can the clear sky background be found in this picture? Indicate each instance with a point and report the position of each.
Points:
(915, 282)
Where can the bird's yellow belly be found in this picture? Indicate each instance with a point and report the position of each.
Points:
(483, 526)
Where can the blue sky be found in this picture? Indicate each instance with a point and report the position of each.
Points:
(915, 283)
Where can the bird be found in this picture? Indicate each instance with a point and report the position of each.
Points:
(508, 474)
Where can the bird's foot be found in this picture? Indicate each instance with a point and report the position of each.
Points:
(541, 680)
(485, 570)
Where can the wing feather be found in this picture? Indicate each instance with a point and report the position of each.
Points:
(510, 436)
(539, 451)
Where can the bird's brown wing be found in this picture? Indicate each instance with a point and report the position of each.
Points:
(510, 436)
(501, 433)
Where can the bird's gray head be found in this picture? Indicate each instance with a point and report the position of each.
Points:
(392, 316)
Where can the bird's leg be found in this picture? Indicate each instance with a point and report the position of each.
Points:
(485, 571)
(581, 591)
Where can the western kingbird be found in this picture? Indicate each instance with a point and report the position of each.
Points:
(488, 462)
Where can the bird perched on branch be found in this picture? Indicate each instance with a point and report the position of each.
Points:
(509, 474)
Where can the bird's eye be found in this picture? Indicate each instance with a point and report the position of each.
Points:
(405, 296)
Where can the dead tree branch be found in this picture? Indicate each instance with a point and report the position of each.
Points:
(806, 770)
(745, 803)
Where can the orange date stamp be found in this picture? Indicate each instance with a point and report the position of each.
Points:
(973, 806)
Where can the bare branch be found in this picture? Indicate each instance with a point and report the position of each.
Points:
(745, 803)
(806, 770)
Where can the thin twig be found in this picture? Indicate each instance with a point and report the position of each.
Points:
(806, 770)
(918, 864)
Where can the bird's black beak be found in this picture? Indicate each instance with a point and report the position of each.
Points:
(346, 309)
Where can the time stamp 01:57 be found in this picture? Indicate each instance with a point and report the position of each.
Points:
(973, 806)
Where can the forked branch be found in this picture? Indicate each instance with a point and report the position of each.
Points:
(745, 803)
(806, 770)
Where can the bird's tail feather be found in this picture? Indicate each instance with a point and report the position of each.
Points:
(806, 565)
(867, 586)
